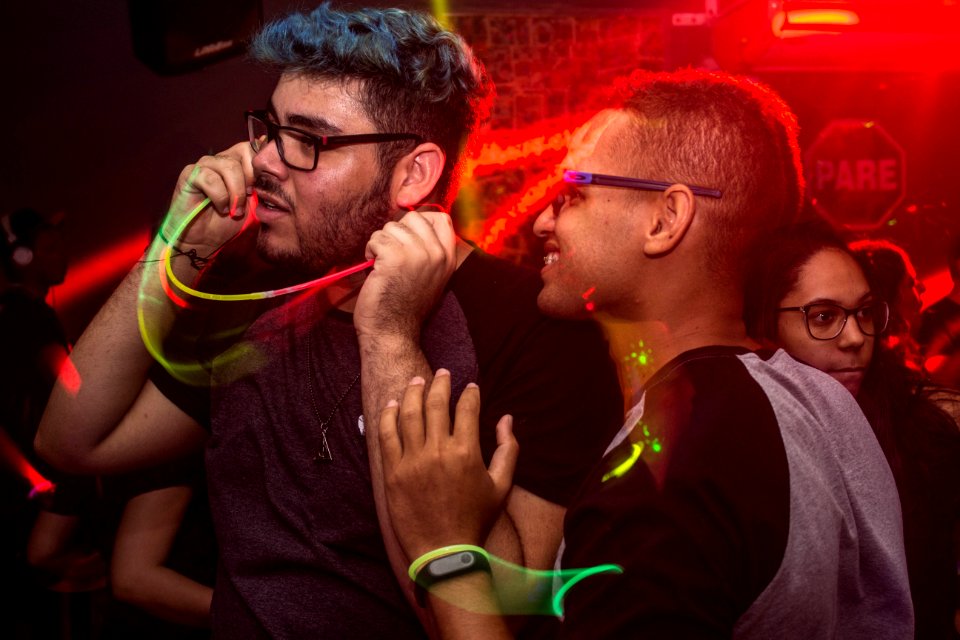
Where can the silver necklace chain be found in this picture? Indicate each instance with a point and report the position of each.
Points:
(324, 454)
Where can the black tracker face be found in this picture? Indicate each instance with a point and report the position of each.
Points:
(453, 565)
(448, 566)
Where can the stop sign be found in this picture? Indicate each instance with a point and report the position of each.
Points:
(856, 174)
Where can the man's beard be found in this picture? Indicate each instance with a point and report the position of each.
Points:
(335, 234)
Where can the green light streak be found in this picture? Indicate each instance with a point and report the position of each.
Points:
(581, 575)
(161, 251)
(157, 262)
(523, 591)
(623, 467)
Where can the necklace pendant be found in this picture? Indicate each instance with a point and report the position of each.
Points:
(324, 455)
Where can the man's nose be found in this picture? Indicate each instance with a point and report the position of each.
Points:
(267, 160)
(544, 224)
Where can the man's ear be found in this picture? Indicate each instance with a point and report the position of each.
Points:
(416, 175)
(669, 221)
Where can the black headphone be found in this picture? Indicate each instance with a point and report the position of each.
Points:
(17, 247)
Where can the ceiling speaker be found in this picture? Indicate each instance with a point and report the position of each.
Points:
(177, 36)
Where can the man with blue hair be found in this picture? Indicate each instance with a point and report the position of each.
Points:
(366, 124)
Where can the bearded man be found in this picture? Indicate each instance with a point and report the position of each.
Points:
(366, 124)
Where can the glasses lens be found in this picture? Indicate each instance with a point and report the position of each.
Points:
(872, 318)
(557, 203)
(298, 150)
(564, 194)
(257, 132)
(825, 321)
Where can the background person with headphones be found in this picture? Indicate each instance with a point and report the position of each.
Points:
(32, 251)
(32, 340)
(39, 540)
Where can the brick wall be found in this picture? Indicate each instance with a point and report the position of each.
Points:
(546, 68)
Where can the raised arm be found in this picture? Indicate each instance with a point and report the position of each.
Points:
(117, 420)
(413, 261)
(439, 493)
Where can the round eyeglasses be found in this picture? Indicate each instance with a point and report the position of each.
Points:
(825, 321)
(300, 149)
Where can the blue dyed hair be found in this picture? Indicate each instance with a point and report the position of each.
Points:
(415, 76)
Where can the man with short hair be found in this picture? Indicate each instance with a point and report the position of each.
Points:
(745, 495)
(367, 122)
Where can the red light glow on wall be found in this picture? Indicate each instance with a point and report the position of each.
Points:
(98, 270)
(538, 150)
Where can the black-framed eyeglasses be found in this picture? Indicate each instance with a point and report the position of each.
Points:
(583, 177)
(825, 321)
(300, 149)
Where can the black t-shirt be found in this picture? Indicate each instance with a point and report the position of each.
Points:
(698, 522)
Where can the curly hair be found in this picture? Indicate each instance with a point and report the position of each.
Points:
(888, 265)
(415, 76)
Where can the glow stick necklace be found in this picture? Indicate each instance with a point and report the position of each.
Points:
(256, 295)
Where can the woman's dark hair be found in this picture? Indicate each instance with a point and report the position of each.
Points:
(922, 446)
(887, 265)
(773, 270)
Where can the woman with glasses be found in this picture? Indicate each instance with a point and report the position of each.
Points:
(808, 294)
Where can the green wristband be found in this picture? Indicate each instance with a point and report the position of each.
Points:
(162, 237)
(442, 552)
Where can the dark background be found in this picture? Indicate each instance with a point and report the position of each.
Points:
(92, 131)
